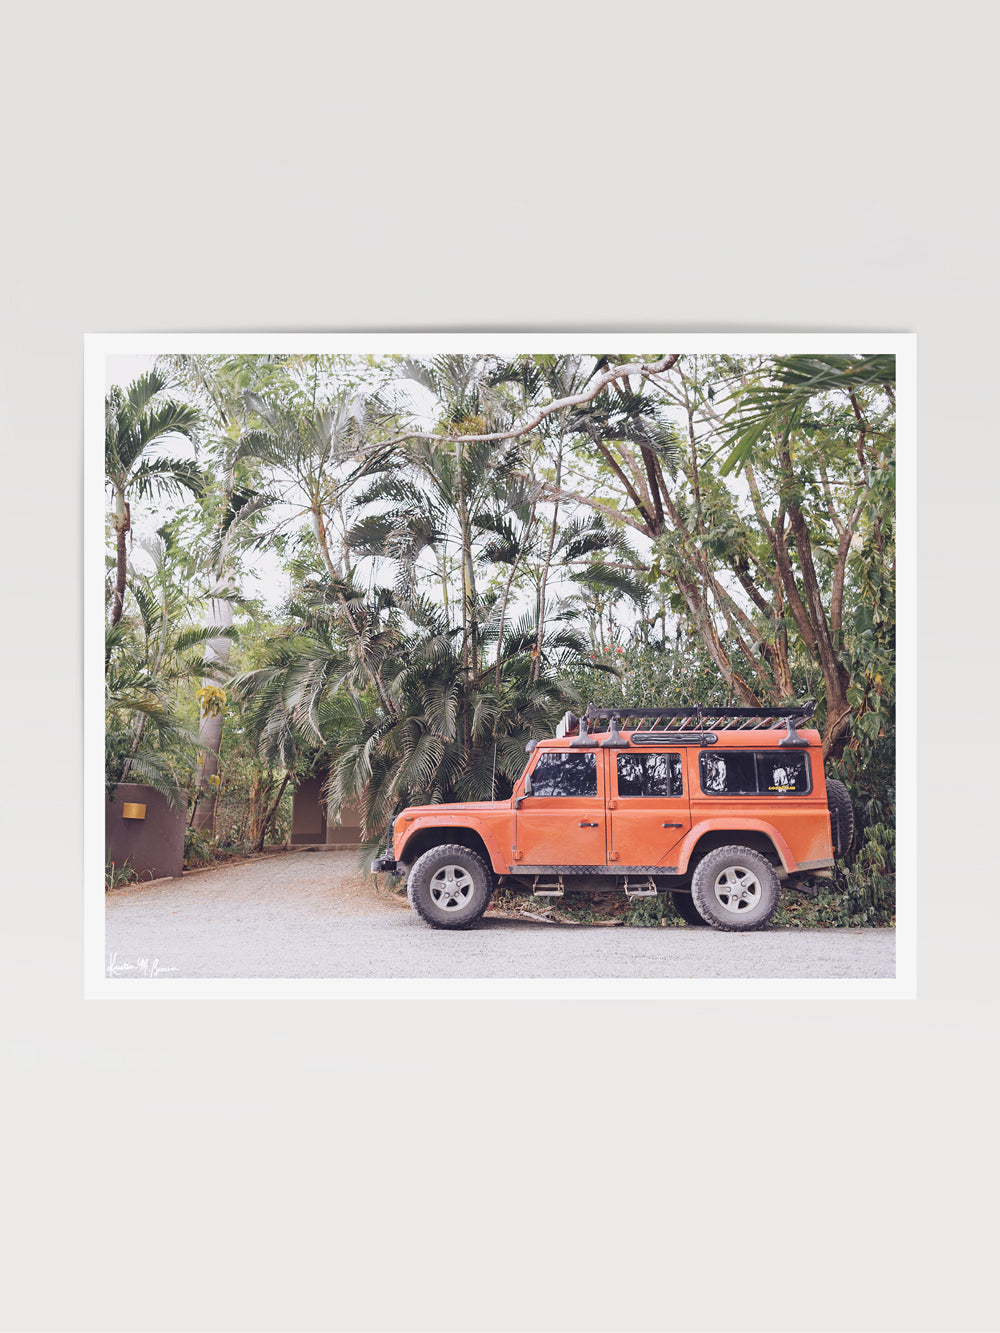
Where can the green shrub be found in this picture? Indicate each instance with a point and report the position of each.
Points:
(652, 912)
(115, 875)
(862, 892)
(199, 848)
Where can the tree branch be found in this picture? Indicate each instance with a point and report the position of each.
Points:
(573, 400)
(557, 493)
(630, 490)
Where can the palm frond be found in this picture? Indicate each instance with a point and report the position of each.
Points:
(773, 407)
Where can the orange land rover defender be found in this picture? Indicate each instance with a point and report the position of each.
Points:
(715, 806)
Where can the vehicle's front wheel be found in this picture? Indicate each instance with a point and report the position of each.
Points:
(735, 888)
(450, 887)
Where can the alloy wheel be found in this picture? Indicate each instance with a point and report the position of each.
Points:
(451, 888)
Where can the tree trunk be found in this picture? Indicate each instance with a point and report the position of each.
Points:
(442, 560)
(161, 652)
(702, 617)
(119, 602)
(122, 522)
(374, 675)
(255, 803)
(259, 845)
(469, 625)
(506, 594)
(210, 728)
(537, 664)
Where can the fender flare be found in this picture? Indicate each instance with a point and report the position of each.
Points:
(445, 822)
(697, 831)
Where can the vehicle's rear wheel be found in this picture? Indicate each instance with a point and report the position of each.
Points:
(450, 887)
(735, 888)
(685, 908)
(838, 798)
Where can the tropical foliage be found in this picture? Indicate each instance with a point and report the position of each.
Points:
(471, 544)
(154, 659)
(137, 418)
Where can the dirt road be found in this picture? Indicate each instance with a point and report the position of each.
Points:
(309, 914)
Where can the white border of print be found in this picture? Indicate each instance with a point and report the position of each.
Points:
(98, 986)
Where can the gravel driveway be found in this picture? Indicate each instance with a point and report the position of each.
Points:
(312, 914)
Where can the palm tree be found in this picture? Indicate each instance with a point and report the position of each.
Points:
(464, 473)
(466, 506)
(450, 735)
(532, 378)
(308, 449)
(150, 656)
(313, 446)
(134, 422)
(231, 499)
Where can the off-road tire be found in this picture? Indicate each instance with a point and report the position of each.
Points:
(838, 798)
(425, 894)
(745, 878)
(685, 908)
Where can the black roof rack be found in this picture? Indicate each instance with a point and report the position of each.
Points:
(687, 717)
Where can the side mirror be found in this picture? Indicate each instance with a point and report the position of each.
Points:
(526, 792)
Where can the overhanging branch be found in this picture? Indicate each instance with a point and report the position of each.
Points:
(573, 400)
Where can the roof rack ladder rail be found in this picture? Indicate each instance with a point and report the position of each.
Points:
(704, 716)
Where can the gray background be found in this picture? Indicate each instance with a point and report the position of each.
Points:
(683, 1165)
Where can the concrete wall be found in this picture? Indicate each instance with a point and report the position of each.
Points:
(348, 832)
(154, 846)
(310, 827)
(308, 813)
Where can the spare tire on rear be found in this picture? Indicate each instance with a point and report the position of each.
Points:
(838, 798)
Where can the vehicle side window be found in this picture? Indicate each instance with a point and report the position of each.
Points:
(753, 772)
(732, 773)
(777, 772)
(558, 773)
(650, 775)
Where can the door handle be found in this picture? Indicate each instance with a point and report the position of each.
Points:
(587, 823)
(671, 826)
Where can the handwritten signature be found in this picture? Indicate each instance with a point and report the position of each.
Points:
(142, 967)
